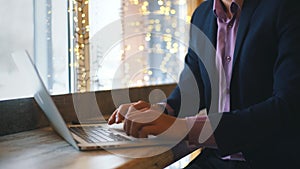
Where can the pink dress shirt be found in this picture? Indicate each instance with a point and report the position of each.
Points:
(226, 38)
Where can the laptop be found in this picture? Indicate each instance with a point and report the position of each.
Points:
(85, 136)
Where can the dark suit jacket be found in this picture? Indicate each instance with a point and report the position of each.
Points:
(265, 95)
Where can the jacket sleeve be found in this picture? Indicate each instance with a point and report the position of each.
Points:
(188, 94)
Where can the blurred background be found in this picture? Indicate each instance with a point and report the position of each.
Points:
(92, 45)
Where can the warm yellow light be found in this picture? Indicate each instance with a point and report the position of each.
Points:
(147, 38)
(146, 78)
(139, 83)
(75, 19)
(158, 28)
(127, 47)
(135, 2)
(150, 27)
(160, 2)
(173, 11)
(146, 3)
(144, 8)
(162, 9)
(175, 45)
(141, 47)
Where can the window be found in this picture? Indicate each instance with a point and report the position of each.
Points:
(89, 45)
(51, 44)
(41, 28)
(16, 33)
(132, 42)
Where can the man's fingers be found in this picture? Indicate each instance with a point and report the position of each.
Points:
(116, 117)
(137, 120)
(127, 125)
(132, 121)
(120, 113)
(147, 130)
(119, 118)
(141, 105)
(124, 125)
(138, 123)
(134, 129)
(112, 118)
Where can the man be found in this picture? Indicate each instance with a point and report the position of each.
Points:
(257, 42)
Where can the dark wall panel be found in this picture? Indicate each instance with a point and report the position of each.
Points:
(24, 114)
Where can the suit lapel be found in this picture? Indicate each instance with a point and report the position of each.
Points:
(212, 35)
(212, 28)
(248, 8)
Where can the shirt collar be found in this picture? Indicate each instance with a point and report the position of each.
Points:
(218, 7)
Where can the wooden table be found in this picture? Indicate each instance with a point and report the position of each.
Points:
(44, 149)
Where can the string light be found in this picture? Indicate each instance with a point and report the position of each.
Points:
(81, 45)
(162, 32)
(162, 29)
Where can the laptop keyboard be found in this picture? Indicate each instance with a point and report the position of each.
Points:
(96, 134)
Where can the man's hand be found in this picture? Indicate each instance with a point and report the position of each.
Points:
(152, 121)
(120, 112)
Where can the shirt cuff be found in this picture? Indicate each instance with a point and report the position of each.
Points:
(195, 125)
(168, 109)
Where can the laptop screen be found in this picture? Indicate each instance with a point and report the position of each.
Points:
(41, 95)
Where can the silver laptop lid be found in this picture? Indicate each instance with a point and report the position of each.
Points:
(41, 95)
